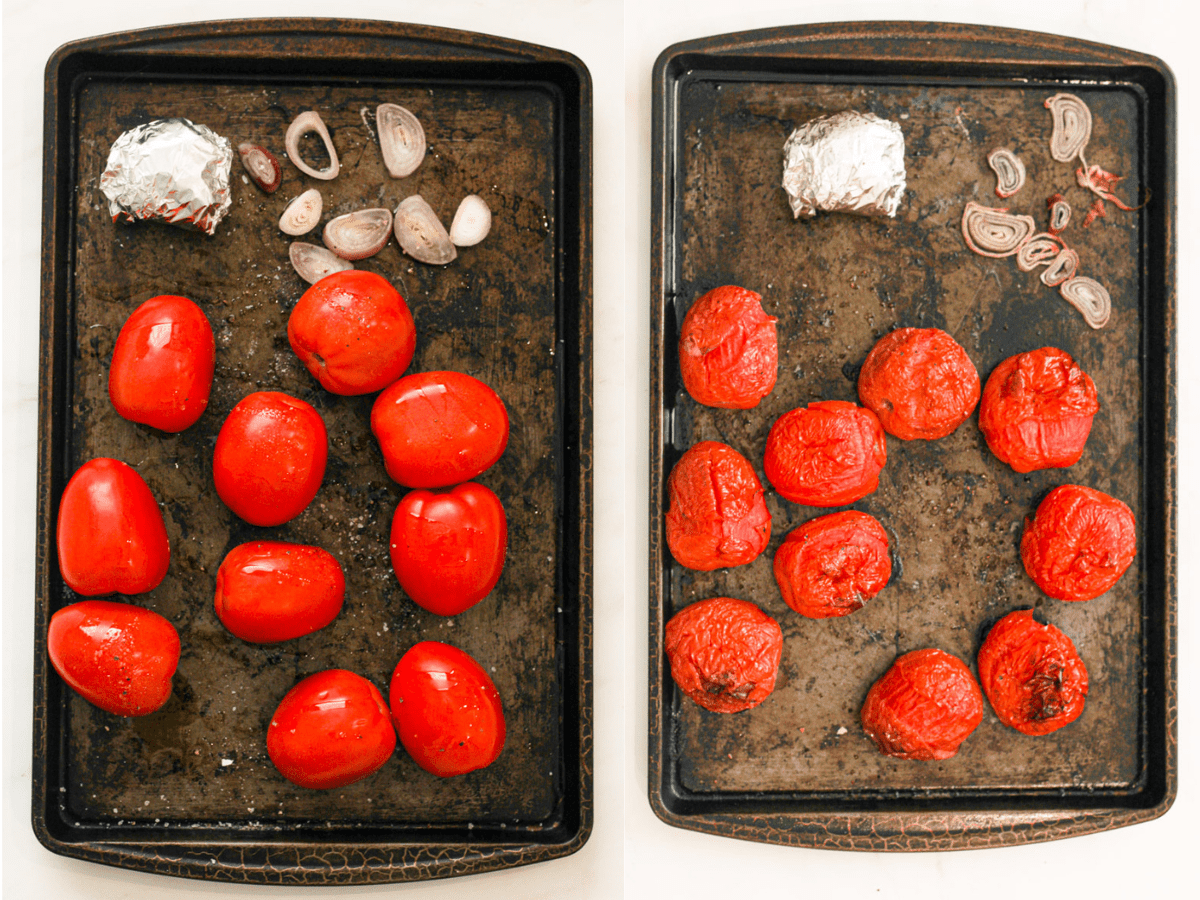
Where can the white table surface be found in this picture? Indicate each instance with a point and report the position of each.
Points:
(631, 853)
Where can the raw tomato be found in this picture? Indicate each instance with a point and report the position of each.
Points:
(330, 730)
(111, 534)
(116, 655)
(448, 548)
(353, 332)
(162, 365)
(829, 453)
(447, 710)
(832, 565)
(270, 458)
(439, 428)
(270, 591)
(728, 353)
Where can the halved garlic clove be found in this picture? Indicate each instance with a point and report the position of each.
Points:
(302, 214)
(401, 139)
(359, 234)
(1039, 250)
(420, 234)
(261, 165)
(1062, 269)
(312, 263)
(1010, 171)
(995, 232)
(471, 222)
(1090, 297)
(1072, 126)
(302, 125)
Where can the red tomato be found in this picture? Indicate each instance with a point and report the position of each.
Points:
(111, 535)
(447, 710)
(832, 565)
(728, 352)
(116, 655)
(162, 365)
(353, 331)
(270, 457)
(448, 548)
(829, 453)
(270, 591)
(330, 730)
(439, 428)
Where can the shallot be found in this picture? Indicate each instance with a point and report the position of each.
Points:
(302, 125)
(1062, 268)
(420, 234)
(312, 263)
(401, 139)
(1010, 172)
(261, 165)
(359, 234)
(1037, 251)
(1072, 126)
(1089, 297)
(471, 222)
(995, 232)
(302, 214)
(1060, 213)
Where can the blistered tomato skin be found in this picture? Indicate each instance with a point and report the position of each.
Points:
(111, 534)
(162, 365)
(923, 707)
(447, 710)
(717, 516)
(829, 453)
(832, 565)
(920, 383)
(437, 429)
(353, 332)
(724, 653)
(117, 656)
(269, 591)
(728, 353)
(1079, 543)
(1037, 410)
(330, 730)
(1032, 675)
(270, 457)
(448, 548)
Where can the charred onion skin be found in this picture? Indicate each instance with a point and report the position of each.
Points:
(728, 350)
(829, 453)
(832, 565)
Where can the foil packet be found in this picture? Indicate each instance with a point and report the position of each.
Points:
(846, 162)
(169, 169)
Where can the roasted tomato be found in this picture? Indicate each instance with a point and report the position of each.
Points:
(1032, 675)
(270, 457)
(439, 428)
(724, 653)
(116, 655)
(923, 707)
(447, 710)
(1037, 410)
(111, 534)
(832, 565)
(353, 332)
(829, 453)
(920, 383)
(330, 730)
(162, 365)
(270, 591)
(727, 349)
(717, 517)
(448, 548)
(1079, 542)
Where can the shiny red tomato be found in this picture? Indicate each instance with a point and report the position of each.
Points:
(270, 591)
(353, 332)
(447, 710)
(448, 548)
(162, 365)
(270, 458)
(330, 730)
(116, 655)
(439, 428)
(111, 534)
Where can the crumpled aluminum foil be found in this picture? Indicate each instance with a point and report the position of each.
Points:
(846, 162)
(169, 169)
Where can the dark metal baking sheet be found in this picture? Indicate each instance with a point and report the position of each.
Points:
(798, 769)
(189, 790)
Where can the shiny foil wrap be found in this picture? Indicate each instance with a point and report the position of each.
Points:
(169, 169)
(847, 162)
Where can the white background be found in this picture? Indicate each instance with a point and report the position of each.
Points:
(631, 853)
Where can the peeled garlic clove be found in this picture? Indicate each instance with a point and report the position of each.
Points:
(302, 125)
(359, 234)
(302, 214)
(401, 139)
(261, 165)
(471, 222)
(312, 263)
(1089, 297)
(1072, 126)
(995, 232)
(420, 234)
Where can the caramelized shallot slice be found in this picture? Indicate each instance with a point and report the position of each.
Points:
(401, 139)
(312, 263)
(261, 165)
(302, 214)
(359, 234)
(302, 125)
(1010, 172)
(420, 234)
(1060, 213)
(471, 222)
(995, 232)
(1089, 297)
(1037, 251)
(1062, 269)
(1072, 126)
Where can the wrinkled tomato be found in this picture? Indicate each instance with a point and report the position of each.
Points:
(832, 565)
(270, 591)
(717, 516)
(727, 349)
(829, 453)
(724, 653)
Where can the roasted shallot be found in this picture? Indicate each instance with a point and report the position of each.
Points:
(401, 139)
(1089, 297)
(302, 214)
(1038, 251)
(995, 232)
(1060, 213)
(1062, 268)
(420, 234)
(312, 263)
(1010, 172)
(261, 165)
(1072, 126)
(359, 234)
(302, 125)
(471, 222)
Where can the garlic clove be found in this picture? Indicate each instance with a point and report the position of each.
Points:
(401, 139)
(302, 214)
(302, 125)
(471, 222)
(359, 234)
(312, 263)
(420, 234)
(261, 165)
